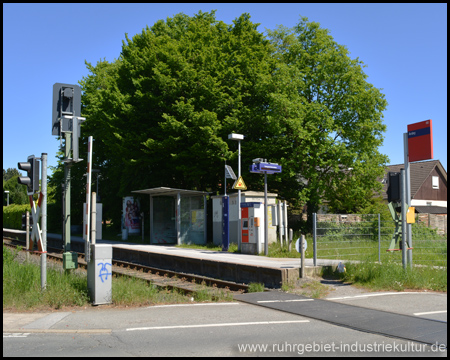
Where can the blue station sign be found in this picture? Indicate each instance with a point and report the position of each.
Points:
(265, 168)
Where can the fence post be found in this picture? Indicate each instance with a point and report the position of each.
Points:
(315, 238)
(291, 236)
(44, 221)
(27, 236)
(302, 255)
(379, 239)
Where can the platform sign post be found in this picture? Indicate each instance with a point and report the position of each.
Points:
(261, 166)
(418, 145)
(420, 141)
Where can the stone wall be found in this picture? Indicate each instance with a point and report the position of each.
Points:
(437, 221)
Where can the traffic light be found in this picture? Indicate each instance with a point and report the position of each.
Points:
(32, 178)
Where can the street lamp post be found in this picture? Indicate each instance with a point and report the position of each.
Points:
(7, 197)
(238, 137)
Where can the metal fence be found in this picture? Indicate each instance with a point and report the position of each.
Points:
(360, 237)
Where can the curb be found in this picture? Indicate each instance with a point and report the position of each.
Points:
(63, 331)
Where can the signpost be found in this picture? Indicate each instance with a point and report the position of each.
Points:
(261, 166)
(240, 184)
(420, 141)
(301, 246)
(417, 145)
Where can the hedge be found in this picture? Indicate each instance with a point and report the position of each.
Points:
(12, 216)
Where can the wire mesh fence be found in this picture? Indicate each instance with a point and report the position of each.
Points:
(365, 237)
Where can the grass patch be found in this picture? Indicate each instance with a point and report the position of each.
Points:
(314, 289)
(357, 242)
(276, 250)
(22, 289)
(392, 276)
(310, 287)
(255, 287)
(22, 286)
(131, 291)
(209, 246)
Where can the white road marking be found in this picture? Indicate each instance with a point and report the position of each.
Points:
(217, 325)
(355, 297)
(279, 301)
(431, 312)
(15, 335)
(196, 304)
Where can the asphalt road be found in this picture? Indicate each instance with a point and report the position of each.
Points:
(227, 329)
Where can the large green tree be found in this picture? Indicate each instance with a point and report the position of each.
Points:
(160, 114)
(328, 121)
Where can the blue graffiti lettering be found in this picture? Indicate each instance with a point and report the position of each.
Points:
(103, 271)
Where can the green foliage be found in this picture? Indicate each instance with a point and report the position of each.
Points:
(8, 174)
(54, 218)
(255, 287)
(17, 192)
(12, 216)
(332, 118)
(161, 113)
(392, 276)
(22, 286)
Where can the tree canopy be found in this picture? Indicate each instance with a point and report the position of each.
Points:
(17, 193)
(160, 113)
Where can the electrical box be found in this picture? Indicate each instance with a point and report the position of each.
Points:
(410, 215)
(252, 227)
(100, 274)
(70, 260)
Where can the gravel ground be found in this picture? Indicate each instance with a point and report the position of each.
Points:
(36, 259)
(322, 288)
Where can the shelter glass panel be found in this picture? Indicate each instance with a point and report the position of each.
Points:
(192, 220)
(164, 221)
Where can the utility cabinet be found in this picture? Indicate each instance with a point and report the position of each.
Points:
(252, 227)
(100, 274)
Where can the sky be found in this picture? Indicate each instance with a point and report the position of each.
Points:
(403, 45)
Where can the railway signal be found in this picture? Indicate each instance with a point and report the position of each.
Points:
(32, 178)
(66, 123)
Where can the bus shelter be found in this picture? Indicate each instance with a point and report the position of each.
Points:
(177, 216)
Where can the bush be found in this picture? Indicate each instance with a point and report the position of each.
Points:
(12, 216)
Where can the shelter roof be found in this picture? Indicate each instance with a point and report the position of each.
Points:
(165, 191)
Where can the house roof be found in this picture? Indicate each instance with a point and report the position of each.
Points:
(419, 173)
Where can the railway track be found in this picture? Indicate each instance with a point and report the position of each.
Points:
(166, 279)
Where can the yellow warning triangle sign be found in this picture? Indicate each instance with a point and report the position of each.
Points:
(239, 184)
